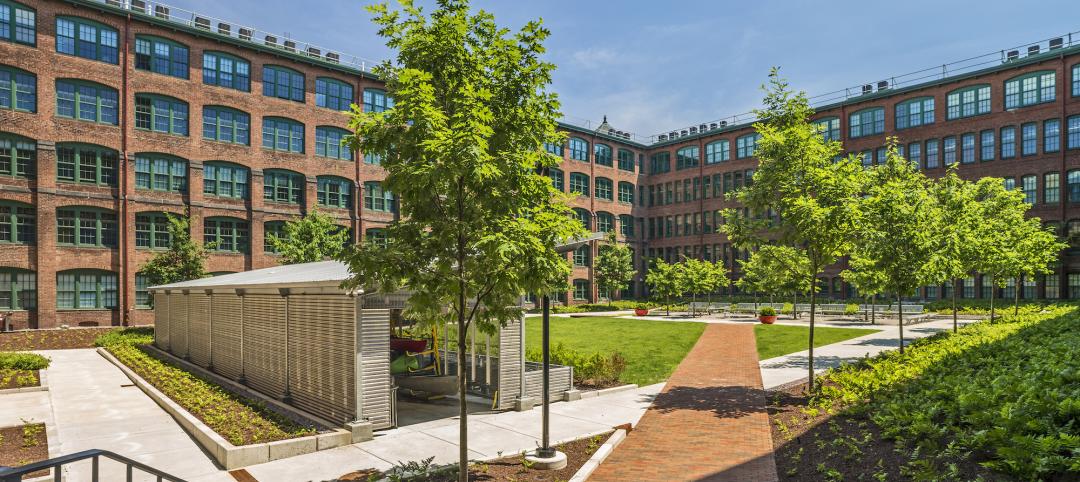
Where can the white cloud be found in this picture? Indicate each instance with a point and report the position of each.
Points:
(598, 57)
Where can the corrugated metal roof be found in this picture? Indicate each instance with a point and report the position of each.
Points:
(322, 273)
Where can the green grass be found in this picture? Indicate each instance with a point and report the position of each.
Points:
(779, 340)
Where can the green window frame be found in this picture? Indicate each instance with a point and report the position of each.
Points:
(551, 148)
(87, 39)
(152, 230)
(160, 172)
(915, 112)
(660, 162)
(160, 113)
(866, 122)
(1008, 142)
(283, 83)
(1029, 139)
(602, 154)
(1029, 185)
(143, 300)
(276, 228)
(581, 290)
(1072, 132)
(605, 221)
(328, 143)
(86, 289)
(18, 23)
(86, 164)
(283, 186)
(378, 199)
(82, 226)
(584, 216)
(746, 145)
(18, 156)
(224, 179)
(987, 146)
(225, 124)
(626, 225)
(1051, 135)
(626, 160)
(18, 223)
(829, 127)
(915, 154)
(932, 154)
(225, 70)
(1030, 89)
(1051, 188)
(967, 102)
(333, 94)
(377, 100)
(717, 151)
(1076, 80)
(557, 178)
(967, 148)
(18, 89)
(579, 149)
(626, 192)
(579, 183)
(334, 191)
(87, 101)
(948, 150)
(604, 189)
(162, 56)
(687, 157)
(282, 134)
(582, 255)
(226, 235)
(18, 289)
(376, 236)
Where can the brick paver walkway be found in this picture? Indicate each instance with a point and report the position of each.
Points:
(709, 423)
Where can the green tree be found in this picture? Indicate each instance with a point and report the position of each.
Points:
(868, 283)
(614, 267)
(802, 179)
(956, 231)
(311, 238)
(184, 260)
(463, 152)
(696, 276)
(664, 282)
(775, 270)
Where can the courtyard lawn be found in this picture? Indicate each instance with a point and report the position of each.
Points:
(779, 340)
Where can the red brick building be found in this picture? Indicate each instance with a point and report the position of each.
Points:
(115, 112)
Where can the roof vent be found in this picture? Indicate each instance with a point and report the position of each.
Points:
(138, 6)
(202, 23)
(314, 52)
(626, 135)
(693, 130)
(333, 57)
(723, 123)
(1056, 43)
(271, 41)
(290, 45)
(883, 85)
(112, 3)
(1033, 50)
(673, 134)
(868, 88)
(662, 137)
(246, 33)
(703, 127)
(713, 126)
(161, 11)
(1012, 55)
(684, 133)
(224, 28)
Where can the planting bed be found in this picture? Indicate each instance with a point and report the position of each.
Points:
(10, 378)
(60, 339)
(24, 444)
(21, 370)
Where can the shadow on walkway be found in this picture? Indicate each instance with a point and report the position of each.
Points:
(723, 402)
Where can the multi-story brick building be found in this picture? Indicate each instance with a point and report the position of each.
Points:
(114, 112)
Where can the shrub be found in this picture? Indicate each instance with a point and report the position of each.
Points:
(767, 311)
(641, 306)
(126, 336)
(23, 361)
(851, 309)
(595, 369)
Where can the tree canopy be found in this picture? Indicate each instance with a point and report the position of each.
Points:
(184, 260)
(614, 267)
(311, 238)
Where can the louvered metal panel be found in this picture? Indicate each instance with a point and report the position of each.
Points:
(178, 324)
(373, 350)
(264, 343)
(321, 358)
(199, 329)
(561, 381)
(509, 363)
(161, 321)
(225, 329)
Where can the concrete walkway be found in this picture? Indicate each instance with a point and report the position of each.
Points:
(709, 423)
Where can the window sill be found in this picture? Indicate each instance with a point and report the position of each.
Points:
(300, 153)
(75, 246)
(152, 131)
(227, 143)
(162, 73)
(87, 309)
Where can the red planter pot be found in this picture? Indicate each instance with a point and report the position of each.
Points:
(768, 320)
(640, 312)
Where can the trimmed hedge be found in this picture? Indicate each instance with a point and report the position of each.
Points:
(23, 361)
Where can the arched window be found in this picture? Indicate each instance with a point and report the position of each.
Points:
(604, 189)
(281, 134)
(225, 124)
(1030, 89)
(626, 160)
(226, 235)
(829, 127)
(626, 192)
(18, 287)
(159, 113)
(915, 112)
(18, 88)
(160, 172)
(605, 222)
(86, 164)
(557, 178)
(18, 156)
(275, 228)
(376, 198)
(152, 231)
(86, 289)
(18, 223)
(333, 93)
(226, 70)
(585, 217)
(377, 100)
(867, 122)
(717, 151)
(335, 192)
(582, 256)
(161, 56)
(283, 186)
(686, 157)
(556, 149)
(746, 145)
(602, 154)
(87, 39)
(328, 143)
(18, 23)
(579, 183)
(579, 149)
(967, 101)
(82, 100)
(225, 179)
(283, 83)
(83, 226)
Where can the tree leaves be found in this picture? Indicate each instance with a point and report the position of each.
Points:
(311, 238)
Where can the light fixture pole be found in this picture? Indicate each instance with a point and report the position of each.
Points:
(545, 451)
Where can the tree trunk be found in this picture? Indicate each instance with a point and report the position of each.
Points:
(873, 309)
(693, 303)
(794, 303)
(1016, 295)
(463, 412)
(900, 313)
(813, 305)
(955, 324)
(993, 290)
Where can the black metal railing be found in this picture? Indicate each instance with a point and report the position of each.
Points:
(15, 474)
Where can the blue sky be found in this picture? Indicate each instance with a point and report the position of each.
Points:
(660, 65)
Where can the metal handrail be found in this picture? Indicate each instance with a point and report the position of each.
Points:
(15, 474)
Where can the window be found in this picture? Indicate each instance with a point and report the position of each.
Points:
(334, 191)
(226, 235)
(1051, 188)
(18, 156)
(1008, 142)
(376, 236)
(328, 143)
(161, 114)
(880, 154)
(718, 151)
(376, 198)
(557, 178)
(143, 300)
(626, 160)
(1030, 89)
(376, 100)
(18, 88)
(283, 186)
(25, 23)
(579, 183)
(915, 154)
(85, 164)
(605, 222)
(1052, 135)
(226, 125)
(1051, 290)
(86, 290)
(579, 149)
(581, 290)
(152, 231)
(967, 148)
(275, 228)
(604, 189)
(987, 145)
(967, 102)
(159, 172)
(932, 154)
(18, 223)
(746, 145)
(1029, 185)
(686, 158)
(333, 94)
(227, 71)
(626, 225)
(86, 101)
(1010, 183)
(161, 56)
(1029, 137)
(830, 128)
(661, 161)
(1073, 139)
(86, 227)
(282, 134)
(585, 217)
(867, 122)
(225, 180)
(552, 148)
(602, 154)
(948, 147)
(1073, 181)
(626, 192)
(1076, 80)
(18, 288)
(283, 83)
(915, 112)
(86, 39)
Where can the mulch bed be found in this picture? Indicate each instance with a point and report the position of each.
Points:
(512, 468)
(18, 378)
(19, 447)
(59, 339)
